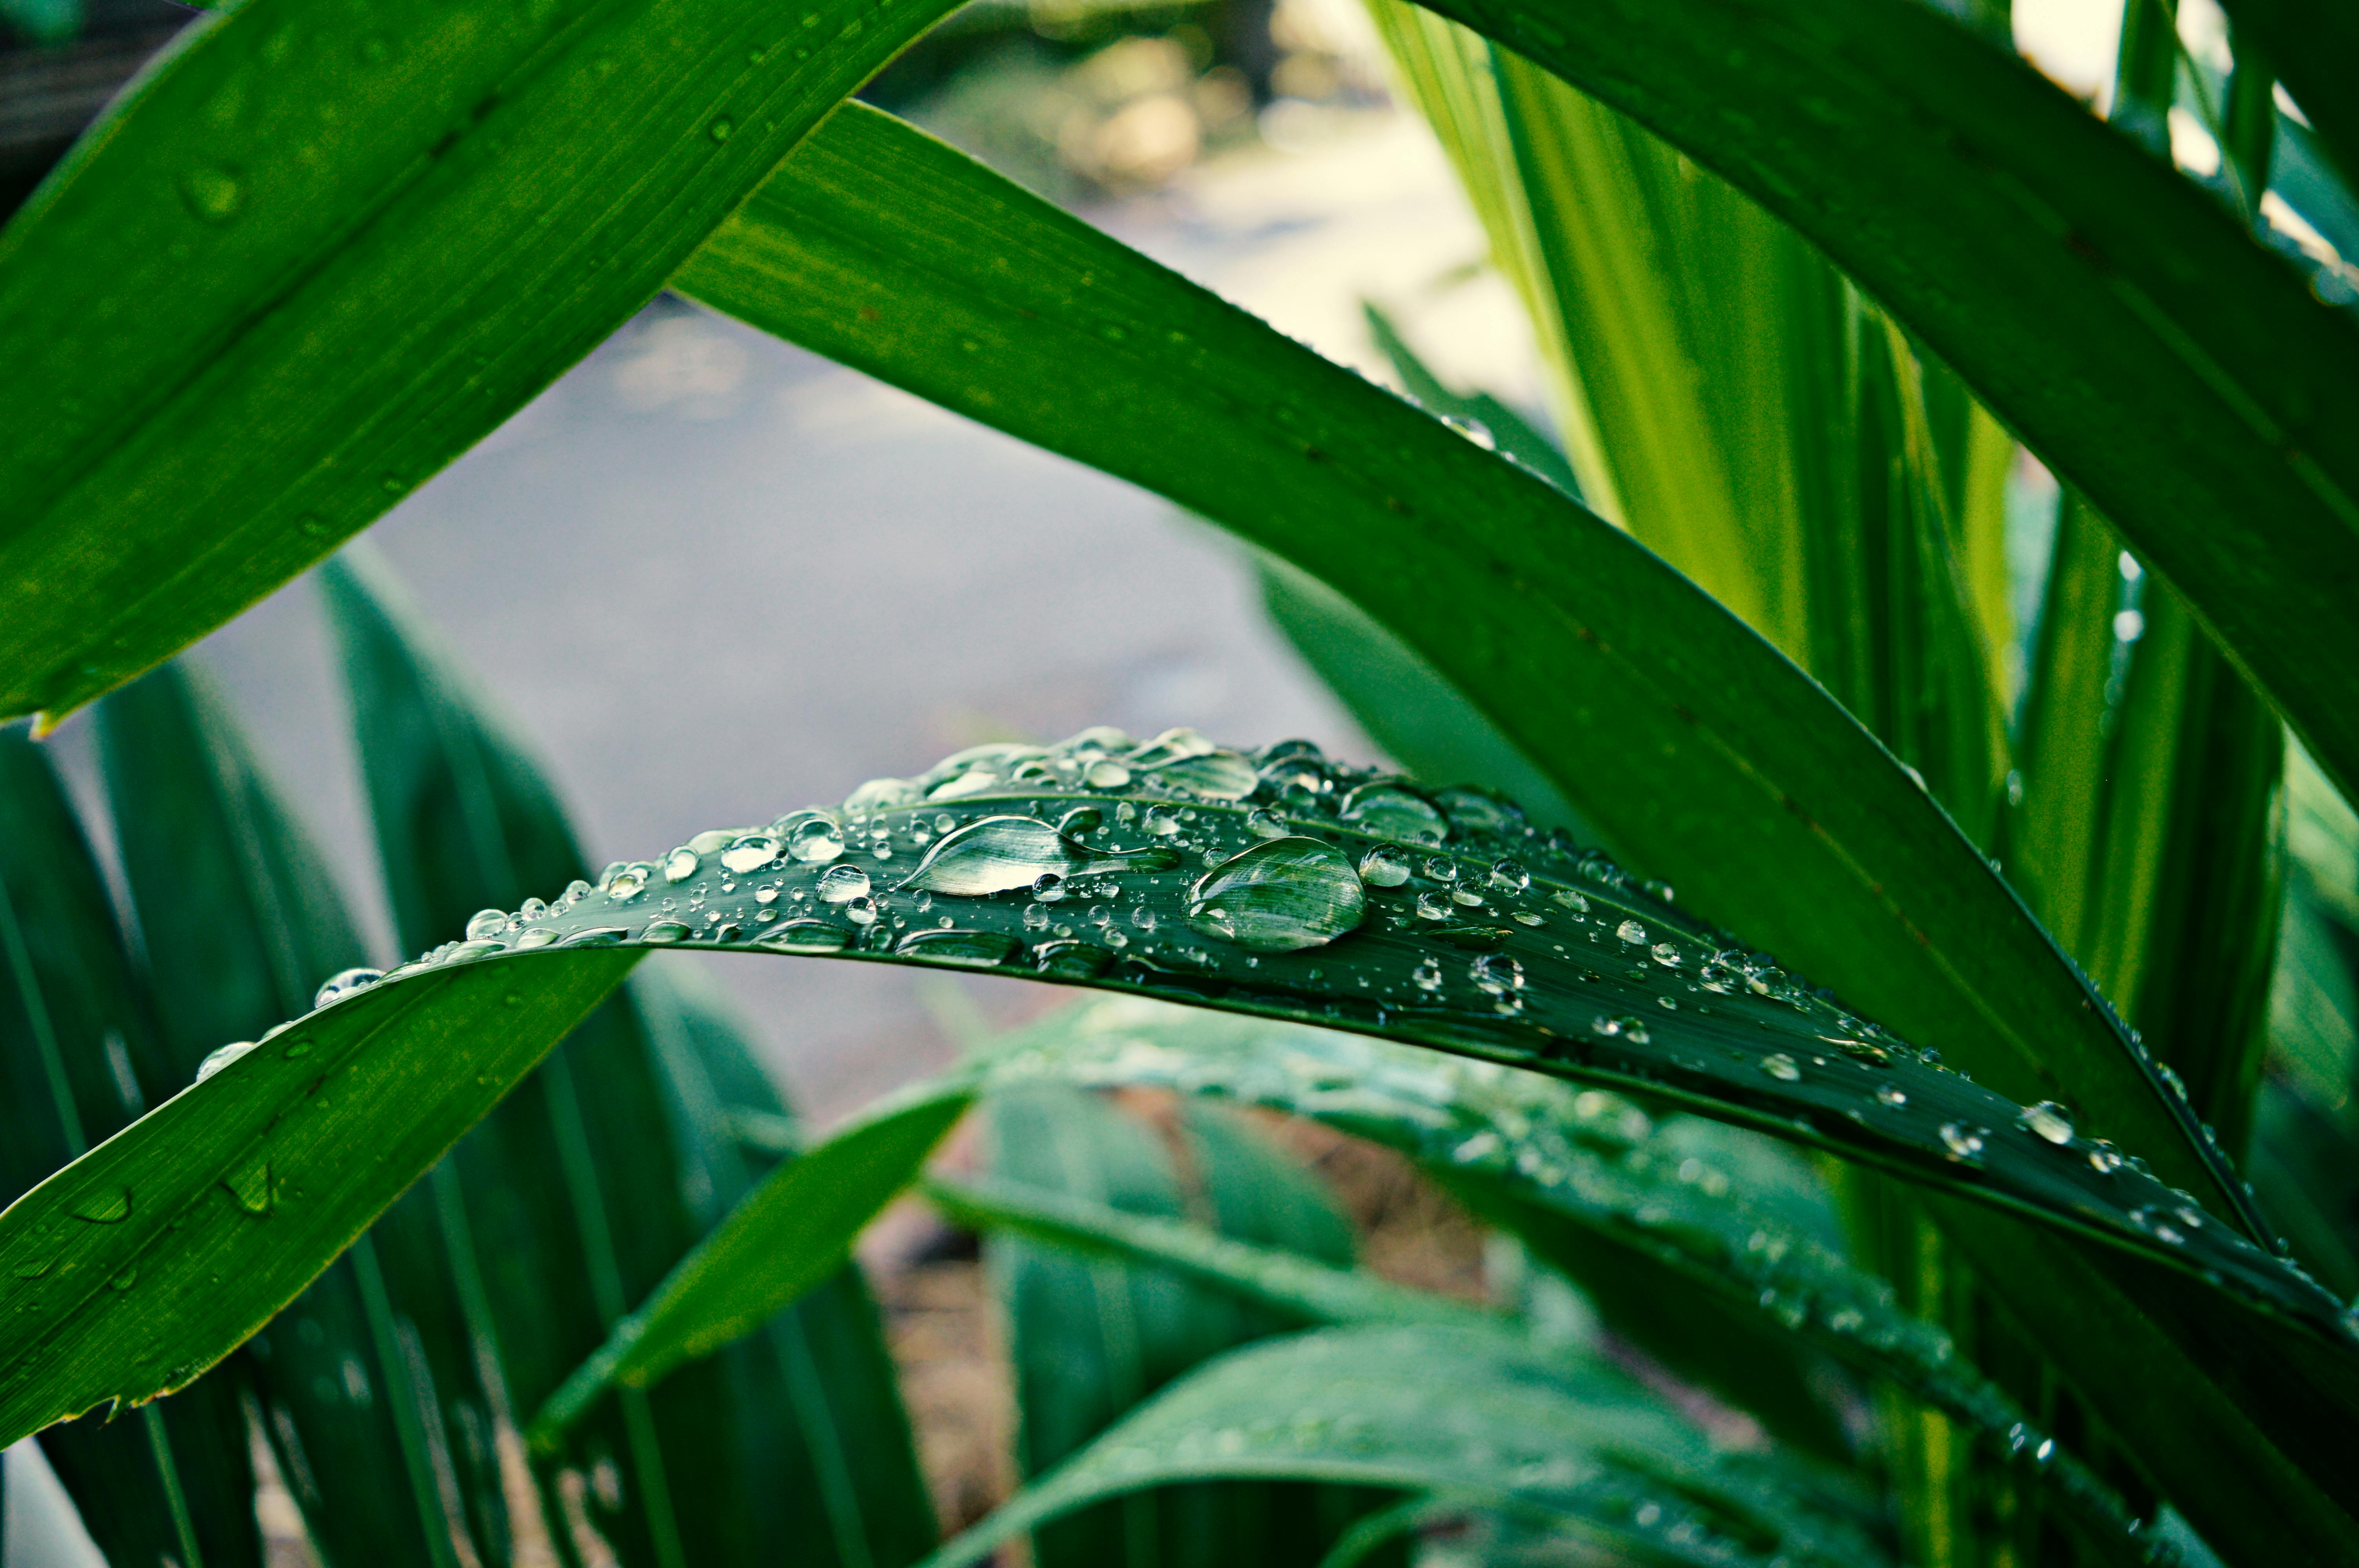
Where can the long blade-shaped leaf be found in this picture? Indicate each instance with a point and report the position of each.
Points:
(79, 1058)
(574, 1190)
(238, 1192)
(322, 248)
(344, 1382)
(2044, 256)
(1674, 728)
(1465, 1412)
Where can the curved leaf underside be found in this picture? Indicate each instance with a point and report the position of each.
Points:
(1282, 885)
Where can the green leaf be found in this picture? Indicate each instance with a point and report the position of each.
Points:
(574, 1190)
(2315, 48)
(79, 1058)
(2043, 256)
(819, 1420)
(1090, 1339)
(1676, 731)
(1300, 1288)
(401, 1070)
(346, 1389)
(1479, 414)
(322, 248)
(1467, 1414)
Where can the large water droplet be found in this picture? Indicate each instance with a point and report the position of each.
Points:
(627, 883)
(997, 854)
(486, 923)
(1397, 812)
(842, 884)
(1214, 775)
(2048, 1120)
(663, 932)
(1631, 930)
(1384, 867)
(1280, 896)
(681, 864)
(981, 948)
(103, 1206)
(343, 983)
(812, 838)
(1782, 1067)
(807, 936)
(1070, 960)
(1105, 773)
(750, 853)
(215, 1061)
(1497, 973)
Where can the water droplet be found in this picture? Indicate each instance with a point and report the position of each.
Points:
(1466, 897)
(215, 1061)
(1427, 976)
(596, 936)
(467, 951)
(975, 781)
(1667, 954)
(1049, 887)
(538, 936)
(2103, 1158)
(1887, 1095)
(213, 192)
(997, 854)
(1434, 906)
(1509, 876)
(861, 912)
(2150, 1219)
(814, 837)
(103, 1206)
(1105, 773)
(842, 884)
(1280, 896)
(486, 922)
(1526, 917)
(1397, 812)
(1964, 1142)
(659, 932)
(980, 949)
(807, 936)
(750, 853)
(250, 1187)
(1497, 974)
(1070, 960)
(343, 983)
(1572, 899)
(1214, 775)
(1631, 930)
(1382, 867)
(1080, 821)
(1627, 1028)
(2048, 1120)
(721, 127)
(681, 864)
(1782, 1067)
(127, 1279)
(626, 883)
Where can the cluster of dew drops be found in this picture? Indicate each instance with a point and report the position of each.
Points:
(1448, 869)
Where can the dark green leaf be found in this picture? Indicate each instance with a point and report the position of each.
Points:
(321, 249)
(1683, 738)
(2315, 48)
(79, 1058)
(1467, 1414)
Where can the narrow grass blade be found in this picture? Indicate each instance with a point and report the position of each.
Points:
(321, 247)
(2315, 48)
(1682, 736)
(80, 1058)
(346, 1402)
